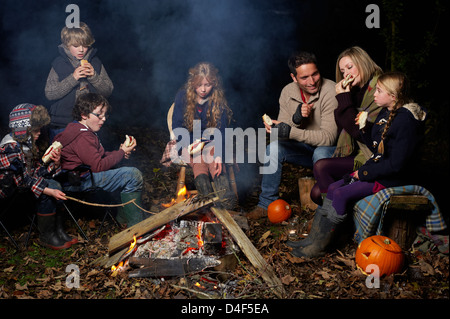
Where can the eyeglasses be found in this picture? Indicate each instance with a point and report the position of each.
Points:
(100, 117)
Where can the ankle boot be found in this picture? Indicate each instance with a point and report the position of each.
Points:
(61, 232)
(321, 211)
(203, 185)
(130, 213)
(47, 232)
(224, 192)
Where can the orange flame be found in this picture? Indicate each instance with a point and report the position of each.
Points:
(182, 195)
(116, 269)
(199, 236)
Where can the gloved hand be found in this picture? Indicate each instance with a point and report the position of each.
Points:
(283, 130)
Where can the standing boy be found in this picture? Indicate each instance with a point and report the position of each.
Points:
(76, 71)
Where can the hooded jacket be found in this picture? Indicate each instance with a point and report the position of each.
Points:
(81, 146)
(395, 166)
(62, 87)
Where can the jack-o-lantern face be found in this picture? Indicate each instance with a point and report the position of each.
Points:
(380, 251)
(279, 211)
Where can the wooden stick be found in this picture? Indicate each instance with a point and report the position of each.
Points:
(124, 238)
(181, 179)
(250, 251)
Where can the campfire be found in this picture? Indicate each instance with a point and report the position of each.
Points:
(188, 237)
(191, 244)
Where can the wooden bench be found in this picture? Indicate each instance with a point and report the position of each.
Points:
(404, 214)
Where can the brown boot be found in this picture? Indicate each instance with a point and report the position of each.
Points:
(257, 213)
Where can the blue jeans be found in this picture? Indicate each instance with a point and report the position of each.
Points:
(287, 151)
(46, 205)
(123, 179)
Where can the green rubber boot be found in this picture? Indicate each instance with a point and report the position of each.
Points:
(130, 214)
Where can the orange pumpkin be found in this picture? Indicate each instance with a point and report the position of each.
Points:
(279, 211)
(381, 251)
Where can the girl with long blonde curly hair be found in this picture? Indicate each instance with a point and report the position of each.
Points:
(202, 102)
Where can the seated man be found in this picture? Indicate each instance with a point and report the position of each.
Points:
(81, 146)
(306, 127)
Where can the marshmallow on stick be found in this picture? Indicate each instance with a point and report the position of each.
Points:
(48, 153)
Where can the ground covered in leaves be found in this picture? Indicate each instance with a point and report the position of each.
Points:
(41, 273)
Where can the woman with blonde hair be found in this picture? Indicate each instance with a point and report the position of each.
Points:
(355, 64)
(393, 139)
(202, 110)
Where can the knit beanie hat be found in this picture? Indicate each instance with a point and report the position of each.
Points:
(25, 116)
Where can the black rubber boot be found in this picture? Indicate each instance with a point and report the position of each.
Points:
(61, 232)
(224, 192)
(203, 185)
(48, 235)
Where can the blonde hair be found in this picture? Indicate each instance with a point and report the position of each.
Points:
(217, 102)
(396, 84)
(366, 66)
(77, 36)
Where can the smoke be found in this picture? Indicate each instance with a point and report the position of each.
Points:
(147, 48)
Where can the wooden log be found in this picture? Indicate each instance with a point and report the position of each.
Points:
(124, 238)
(305, 184)
(232, 178)
(409, 202)
(266, 271)
(404, 214)
(181, 179)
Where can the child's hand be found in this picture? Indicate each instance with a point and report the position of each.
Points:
(56, 193)
(217, 167)
(128, 149)
(79, 73)
(88, 69)
(55, 156)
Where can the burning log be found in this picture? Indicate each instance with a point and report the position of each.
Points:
(169, 267)
(124, 238)
(250, 251)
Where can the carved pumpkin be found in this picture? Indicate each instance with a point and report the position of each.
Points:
(381, 251)
(279, 211)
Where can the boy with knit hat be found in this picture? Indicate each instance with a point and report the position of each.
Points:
(21, 166)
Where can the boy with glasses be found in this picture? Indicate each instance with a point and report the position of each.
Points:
(81, 146)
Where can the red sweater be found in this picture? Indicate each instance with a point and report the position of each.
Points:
(82, 146)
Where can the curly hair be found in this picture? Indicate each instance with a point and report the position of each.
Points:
(87, 103)
(217, 102)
